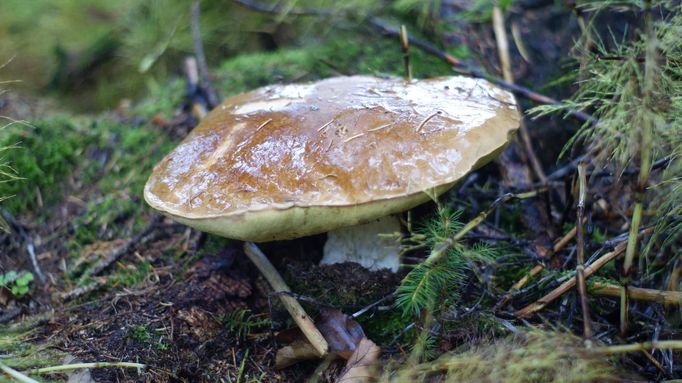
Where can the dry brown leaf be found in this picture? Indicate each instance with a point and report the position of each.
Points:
(341, 332)
(297, 351)
(362, 365)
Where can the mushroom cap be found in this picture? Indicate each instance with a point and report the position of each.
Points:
(285, 161)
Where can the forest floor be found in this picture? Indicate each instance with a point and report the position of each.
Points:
(113, 281)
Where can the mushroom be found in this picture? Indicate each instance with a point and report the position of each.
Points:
(341, 155)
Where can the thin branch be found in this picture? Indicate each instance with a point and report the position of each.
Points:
(566, 286)
(125, 248)
(558, 245)
(645, 160)
(30, 247)
(664, 297)
(16, 374)
(211, 94)
(76, 366)
(636, 347)
(278, 285)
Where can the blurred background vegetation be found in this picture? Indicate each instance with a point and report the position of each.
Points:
(91, 54)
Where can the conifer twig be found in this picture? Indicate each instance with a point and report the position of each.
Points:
(441, 249)
(580, 254)
(297, 312)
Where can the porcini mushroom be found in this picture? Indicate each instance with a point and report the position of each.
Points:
(287, 161)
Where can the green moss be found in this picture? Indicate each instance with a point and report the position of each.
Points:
(530, 356)
(134, 150)
(141, 333)
(48, 152)
(130, 276)
(387, 327)
(18, 353)
(350, 54)
(163, 98)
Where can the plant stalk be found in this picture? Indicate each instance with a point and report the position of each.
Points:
(405, 43)
(580, 265)
(646, 133)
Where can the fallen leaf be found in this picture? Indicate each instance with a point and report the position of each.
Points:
(293, 353)
(341, 332)
(362, 365)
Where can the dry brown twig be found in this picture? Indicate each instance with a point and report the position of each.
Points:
(503, 48)
(405, 43)
(297, 312)
(558, 245)
(566, 286)
(665, 297)
(123, 250)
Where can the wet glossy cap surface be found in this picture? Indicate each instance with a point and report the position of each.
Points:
(341, 142)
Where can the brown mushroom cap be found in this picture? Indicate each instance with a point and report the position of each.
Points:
(287, 161)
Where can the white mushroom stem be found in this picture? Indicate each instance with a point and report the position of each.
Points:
(290, 303)
(372, 245)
